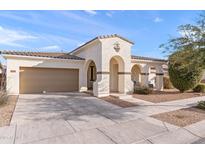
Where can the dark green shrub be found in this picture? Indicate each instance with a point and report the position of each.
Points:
(200, 88)
(185, 71)
(143, 90)
(167, 83)
(201, 105)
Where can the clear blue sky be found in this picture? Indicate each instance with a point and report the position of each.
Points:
(66, 30)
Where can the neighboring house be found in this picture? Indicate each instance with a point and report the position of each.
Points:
(104, 65)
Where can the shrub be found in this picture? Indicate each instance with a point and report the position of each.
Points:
(199, 88)
(167, 83)
(201, 105)
(185, 71)
(3, 98)
(143, 90)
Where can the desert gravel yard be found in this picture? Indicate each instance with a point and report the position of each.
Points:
(7, 109)
(164, 96)
(182, 117)
(118, 102)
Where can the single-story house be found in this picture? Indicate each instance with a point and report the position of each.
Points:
(103, 65)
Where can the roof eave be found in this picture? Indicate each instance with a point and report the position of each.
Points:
(83, 46)
(6, 56)
(150, 60)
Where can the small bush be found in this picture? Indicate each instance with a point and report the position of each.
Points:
(3, 98)
(167, 83)
(199, 88)
(143, 90)
(185, 71)
(201, 105)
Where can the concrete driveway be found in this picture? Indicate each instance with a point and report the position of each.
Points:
(31, 108)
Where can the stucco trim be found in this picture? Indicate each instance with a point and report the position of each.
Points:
(124, 73)
(144, 73)
(103, 72)
(159, 73)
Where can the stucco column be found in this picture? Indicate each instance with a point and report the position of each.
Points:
(159, 81)
(12, 79)
(101, 85)
(145, 75)
(125, 83)
(82, 80)
(144, 79)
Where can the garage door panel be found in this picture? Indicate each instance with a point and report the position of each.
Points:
(37, 80)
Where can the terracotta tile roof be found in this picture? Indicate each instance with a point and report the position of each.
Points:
(103, 37)
(147, 58)
(114, 35)
(57, 55)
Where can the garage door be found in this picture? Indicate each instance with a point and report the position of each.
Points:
(37, 80)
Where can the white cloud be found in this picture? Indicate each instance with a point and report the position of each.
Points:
(90, 12)
(13, 37)
(158, 19)
(93, 27)
(51, 47)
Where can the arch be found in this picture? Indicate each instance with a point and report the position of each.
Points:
(136, 74)
(116, 69)
(91, 74)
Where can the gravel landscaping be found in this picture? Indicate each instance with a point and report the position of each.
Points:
(182, 117)
(118, 102)
(168, 95)
(7, 109)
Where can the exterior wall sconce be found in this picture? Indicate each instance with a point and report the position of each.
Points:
(117, 47)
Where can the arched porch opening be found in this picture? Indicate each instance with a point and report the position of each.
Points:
(136, 74)
(116, 82)
(91, 74)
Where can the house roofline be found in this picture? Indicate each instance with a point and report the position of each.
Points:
(100, 37)
(40, 55)
(36, 58)
(148, 58)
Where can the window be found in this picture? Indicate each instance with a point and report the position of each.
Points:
(91, 73)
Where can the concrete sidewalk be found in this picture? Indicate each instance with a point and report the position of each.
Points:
(81, 132)
(139, 131)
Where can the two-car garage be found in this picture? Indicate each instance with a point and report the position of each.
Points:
(39, 80)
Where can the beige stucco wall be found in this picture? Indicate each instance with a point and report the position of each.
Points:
(91, 52)
(14, 63)
(101, 51)
(150, 77)
(124, 53)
